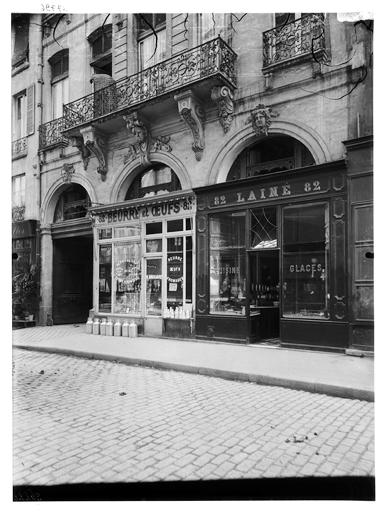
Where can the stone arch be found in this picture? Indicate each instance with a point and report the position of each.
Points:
(52, 195)
(131, 170)
(227, 155)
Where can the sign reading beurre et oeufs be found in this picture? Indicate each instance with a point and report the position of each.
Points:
(164, 209)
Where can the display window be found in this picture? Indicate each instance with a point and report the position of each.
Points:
(146, 268)
(227, 263)
(305, 261)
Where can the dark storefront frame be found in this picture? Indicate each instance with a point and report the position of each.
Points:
(316, 185)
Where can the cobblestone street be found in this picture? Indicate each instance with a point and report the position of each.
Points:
(79, 420)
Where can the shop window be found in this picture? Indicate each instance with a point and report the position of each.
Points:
(227, 263)
(73, 203)
(105, 261)
(154, 286)
(274, 154)
(101, 44)
(20, 39)
(59, 83)
(160, 179)
(127, 274)
(151, 36)
(305, 262)
(18, 191)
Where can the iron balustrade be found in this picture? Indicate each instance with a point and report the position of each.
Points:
(19, 147)
(50, 134)
(303, 36)
(213, 58)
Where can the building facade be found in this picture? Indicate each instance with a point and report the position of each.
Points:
(208, 175)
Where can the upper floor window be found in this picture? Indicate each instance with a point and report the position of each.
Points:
(101, 44)
(273, 154)
(59, 82)
(20, 39)
(160, 179)
(151, 36)
(20, 115)
(18, 190)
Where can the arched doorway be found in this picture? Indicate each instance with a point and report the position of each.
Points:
(72, 257)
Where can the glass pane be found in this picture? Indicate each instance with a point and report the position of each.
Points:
(263, 228)
(154, 228)
(154, 286)
(188, 224)
(227, 230)
(104, 233)
(227, 263)
(105, 278)
(125, 231)
(154, 245)
(175, 225)
(175, 273)
(189, 266)
(305, 256)
(127, 272)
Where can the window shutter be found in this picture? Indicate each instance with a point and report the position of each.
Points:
(31, 109)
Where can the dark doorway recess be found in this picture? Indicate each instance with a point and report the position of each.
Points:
(72, 279)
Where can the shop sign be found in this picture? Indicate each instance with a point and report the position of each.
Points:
(271, 191)
(173, 207)
(175, 268)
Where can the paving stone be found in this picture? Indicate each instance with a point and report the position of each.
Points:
(71, 425)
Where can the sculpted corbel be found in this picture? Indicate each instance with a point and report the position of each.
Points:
(138, 129)
(223, 96)
(94, 143)
(193, 115)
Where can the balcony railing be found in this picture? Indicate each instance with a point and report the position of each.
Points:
(214, 58)
(304, 36)
(50, 134)
(19, 148)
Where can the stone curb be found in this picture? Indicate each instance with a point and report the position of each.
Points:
(267, 380)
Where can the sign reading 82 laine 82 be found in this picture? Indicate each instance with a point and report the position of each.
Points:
(272, 191)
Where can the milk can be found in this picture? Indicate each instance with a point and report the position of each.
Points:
(103, 327)
(133, 330)
(89, 326)
(125, 329)
(117, 328)
(95, 326)
(109, 328)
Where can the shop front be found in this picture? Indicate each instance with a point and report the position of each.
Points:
(144, 263)
(272, 258)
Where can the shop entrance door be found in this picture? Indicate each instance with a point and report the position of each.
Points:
(264, 287)
(72, 279)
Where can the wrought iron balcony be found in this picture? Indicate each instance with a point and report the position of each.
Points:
(211, 59)
(50, 134)
(19, 148)
(304, 36)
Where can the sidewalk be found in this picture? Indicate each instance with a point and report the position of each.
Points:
(319, 372)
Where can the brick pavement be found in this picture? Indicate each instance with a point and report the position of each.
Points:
(78, 420)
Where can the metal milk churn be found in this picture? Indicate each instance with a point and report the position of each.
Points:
(103, 327)
(133, 330)
(117, 328)
(109, 328)
(125, 329)
(95, 326)
(89, 326)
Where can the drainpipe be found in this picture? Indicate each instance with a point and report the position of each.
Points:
(39, 105)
